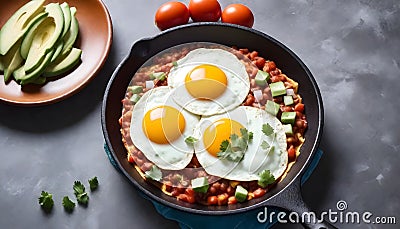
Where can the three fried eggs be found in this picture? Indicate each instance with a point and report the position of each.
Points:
(202, 100)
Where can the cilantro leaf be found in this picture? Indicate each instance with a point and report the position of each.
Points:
(154, 173)
(266, 178)
(234, 149)
(246, 134)
(175, 64)
(68, 204)
(191, 140)
(224, 145)
(46, 201)
(82, 198)
(93, 183)
(79, 188)
(264, 145)
(79, 191)
(267, 129)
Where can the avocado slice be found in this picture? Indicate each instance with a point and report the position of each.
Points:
(18, 24)
(27, 41)
(65, 64)
(1, 63)
(24, 78)
(72, 34)
(57, 50)
(45, 37)
(12, 60)
(67, 17)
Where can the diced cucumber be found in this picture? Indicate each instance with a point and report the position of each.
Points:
(135, 98)
(288, 100)
(277, 88)
(200, 184)
(241, 193)
(288, 117)
(288, 129)
(135, 89)
(262, 78)
(272, 107)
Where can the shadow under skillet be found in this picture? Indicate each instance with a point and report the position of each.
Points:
(51, 117)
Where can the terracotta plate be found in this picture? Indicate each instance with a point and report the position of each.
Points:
(95, 38)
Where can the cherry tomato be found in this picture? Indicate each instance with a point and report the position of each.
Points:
(204, 10)
(238, 14)
(171, 14)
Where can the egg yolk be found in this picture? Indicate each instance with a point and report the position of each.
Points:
(206, 82)
(163, 124)
(218, 132)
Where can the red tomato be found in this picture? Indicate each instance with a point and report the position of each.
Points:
(204, 10)
(238, 14)
(171, 14)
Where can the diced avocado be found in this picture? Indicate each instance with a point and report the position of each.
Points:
(241, 193)
(27, 40)
(70, 37)
(262, 78)
(288, 117)
(25, 78)
(200, 184)
(158, 75)
(67, 18)
(135, 89)
(12, 60)
(18, 24)
(277, 88)
(45, 37)
(65, 64)
(272, 107)
(57, 51)
(288, 100)
(288, 129)
(135, 98)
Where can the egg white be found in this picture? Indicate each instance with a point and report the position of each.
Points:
(173, 156)
(256, 159)
(237, 89)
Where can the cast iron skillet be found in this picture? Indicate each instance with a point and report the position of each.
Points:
(286, 194)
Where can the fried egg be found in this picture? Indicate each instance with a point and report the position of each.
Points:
(159, 128)
(209, 81)
(213, 130)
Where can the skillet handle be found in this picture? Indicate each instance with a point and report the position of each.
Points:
(292, 200)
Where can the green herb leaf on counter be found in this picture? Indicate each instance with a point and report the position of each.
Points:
(93, 183)
(79, 191)
(46, 201)
(234, 149)
(79, 188)
(83, 198)
(68, 204)
(266, 178)
(154, 173)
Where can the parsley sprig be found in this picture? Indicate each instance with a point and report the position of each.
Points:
(266, 178)
(79, 191)
(93, 183)
(46, 201)
(234, 149)
(68, 204)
